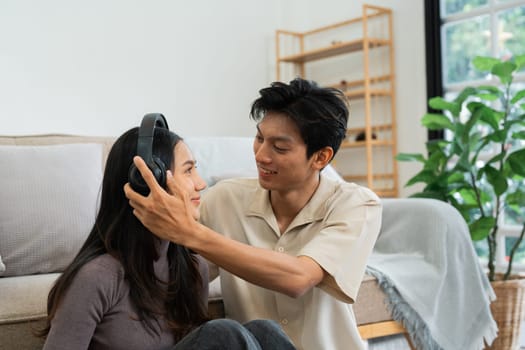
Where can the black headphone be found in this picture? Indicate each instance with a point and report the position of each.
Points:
(145, 151)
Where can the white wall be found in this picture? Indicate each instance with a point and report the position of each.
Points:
(94, 68)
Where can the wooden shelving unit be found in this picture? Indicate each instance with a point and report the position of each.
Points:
(371, 134)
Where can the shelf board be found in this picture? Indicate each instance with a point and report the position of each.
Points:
(333, 50)
(343, 84)
(379, 127)
(357, 144)
(361, 93)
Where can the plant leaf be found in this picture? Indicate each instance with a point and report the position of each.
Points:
(484, 63)
(517, 198)
(436, 121)
(456, 177)
(489, 88)
(481, 228)
(424, 176)
(496, 158)
(497, 179)
(477, 111)
(464, 94)
(518, 96)
(516, 161)
(487, 97)
(504, 71)
(520, 135)
(468, 197)
(520, 61)
(410, 157)
(439, 103)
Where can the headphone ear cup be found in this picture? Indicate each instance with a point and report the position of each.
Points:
(137, 181)
(159, 171)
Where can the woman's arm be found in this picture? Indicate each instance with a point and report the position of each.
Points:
(80, 311)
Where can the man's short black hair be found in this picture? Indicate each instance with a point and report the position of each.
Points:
(320, 113)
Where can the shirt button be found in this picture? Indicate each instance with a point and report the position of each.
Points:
(280, 249)
(284, 321)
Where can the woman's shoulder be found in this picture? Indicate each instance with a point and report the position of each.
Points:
(102, 267)
(102, 279)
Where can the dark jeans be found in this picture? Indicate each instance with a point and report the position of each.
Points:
(226, 334)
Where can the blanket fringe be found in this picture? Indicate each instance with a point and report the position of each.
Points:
(403, 313)
(417, 329)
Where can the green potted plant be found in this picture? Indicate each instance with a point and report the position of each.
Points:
(482, 120)
(478, 120)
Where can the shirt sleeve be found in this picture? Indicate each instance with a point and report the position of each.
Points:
(82, 308)
(345, 241)
(213, 269)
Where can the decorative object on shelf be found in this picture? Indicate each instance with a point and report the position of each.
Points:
(370, 160)
(362, 136)
(481, 190)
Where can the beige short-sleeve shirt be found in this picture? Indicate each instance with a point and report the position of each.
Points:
(337, 228)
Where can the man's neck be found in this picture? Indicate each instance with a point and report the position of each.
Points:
(287, 204)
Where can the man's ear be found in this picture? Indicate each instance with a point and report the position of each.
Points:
(322, 157)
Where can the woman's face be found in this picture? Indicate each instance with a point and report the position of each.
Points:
(185, 174)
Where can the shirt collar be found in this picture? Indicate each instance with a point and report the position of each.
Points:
(312, 211)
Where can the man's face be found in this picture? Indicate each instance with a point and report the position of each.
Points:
(280, 154)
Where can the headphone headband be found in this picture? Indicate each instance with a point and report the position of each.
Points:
(146, 132)
(145, 151)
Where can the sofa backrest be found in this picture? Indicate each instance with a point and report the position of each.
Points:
(57, 139)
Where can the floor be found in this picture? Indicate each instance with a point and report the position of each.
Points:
(398, 342)
(395, 342)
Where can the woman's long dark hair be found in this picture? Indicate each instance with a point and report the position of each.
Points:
(119, 233)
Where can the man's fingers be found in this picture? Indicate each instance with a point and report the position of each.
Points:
(134, 197)
(146, 173)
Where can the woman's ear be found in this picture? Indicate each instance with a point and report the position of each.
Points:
(322, 157)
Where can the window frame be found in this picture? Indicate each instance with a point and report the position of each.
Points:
(435, 24)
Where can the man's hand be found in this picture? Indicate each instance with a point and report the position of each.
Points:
(167, 215)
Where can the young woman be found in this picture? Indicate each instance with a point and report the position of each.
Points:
(127, 289)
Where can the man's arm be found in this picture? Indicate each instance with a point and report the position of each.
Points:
(169, 217)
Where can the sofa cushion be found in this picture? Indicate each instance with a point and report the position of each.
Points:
(51, 195)
(24, 298)
(2, 266)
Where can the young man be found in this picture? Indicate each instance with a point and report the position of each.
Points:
(292, 245)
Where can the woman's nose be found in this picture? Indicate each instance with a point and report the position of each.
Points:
(200, 184)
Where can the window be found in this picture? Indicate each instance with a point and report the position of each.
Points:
(469, 28)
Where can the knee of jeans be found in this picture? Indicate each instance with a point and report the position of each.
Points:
(223, 324)
(262, 325)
